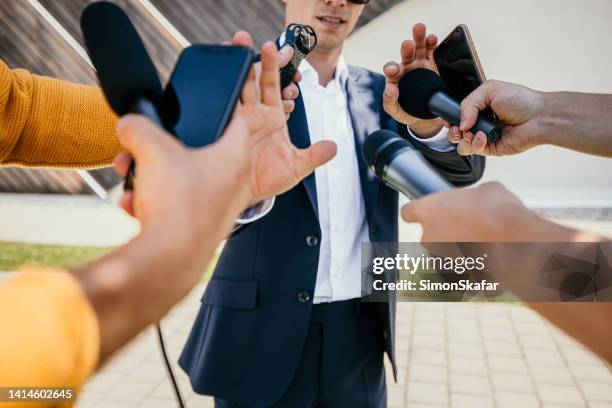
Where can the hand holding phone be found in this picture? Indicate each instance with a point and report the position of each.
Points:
(458, 63)
(203, 91)
(461, 70)
(415, 53)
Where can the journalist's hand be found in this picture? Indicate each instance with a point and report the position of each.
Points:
(518, 108)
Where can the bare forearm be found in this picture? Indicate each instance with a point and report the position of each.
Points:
(527, 226)
(594, 332)
(137, 285)
(577, 121)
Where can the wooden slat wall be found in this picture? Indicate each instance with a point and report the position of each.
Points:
(162, 47)
(28, 41)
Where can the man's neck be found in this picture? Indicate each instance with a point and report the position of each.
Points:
(324, 62)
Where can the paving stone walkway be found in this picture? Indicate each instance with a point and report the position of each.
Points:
(449, 355)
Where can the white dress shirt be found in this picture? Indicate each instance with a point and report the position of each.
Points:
(341, 206)
(341, 209)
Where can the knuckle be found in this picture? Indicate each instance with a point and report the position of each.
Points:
(491, 84)
(493, 186)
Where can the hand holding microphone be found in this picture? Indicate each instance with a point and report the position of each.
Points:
(517, 108)
(424, 95)
(299, 40)
(125, 70)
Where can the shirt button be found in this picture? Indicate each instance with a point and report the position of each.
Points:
(312, 241)
(303, 297)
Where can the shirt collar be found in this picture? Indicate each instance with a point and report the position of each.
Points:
(310, 75)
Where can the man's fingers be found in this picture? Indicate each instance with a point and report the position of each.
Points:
(431, 43)
(419, 31)
(314, 156)
(479, 143)
(243, 38)
(297, 77)
(122, 163)
(270, 79)
(471, 106)
(291, 92)
(469, 114)
(411, 212)
(249, 90)
(284, 56)
(392, 71)
(288, 107)
(391, 99)
(126, 201)
(454, 134)
(143, 138)
(464, 148)
(408, 52)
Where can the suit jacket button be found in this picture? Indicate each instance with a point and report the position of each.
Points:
(303, 297)
(312, 241)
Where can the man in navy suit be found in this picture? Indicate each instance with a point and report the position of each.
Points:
(281, 322)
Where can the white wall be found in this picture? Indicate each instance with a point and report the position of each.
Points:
(545, 44)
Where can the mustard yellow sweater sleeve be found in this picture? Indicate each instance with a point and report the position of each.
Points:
(50, 334)
(45, 122)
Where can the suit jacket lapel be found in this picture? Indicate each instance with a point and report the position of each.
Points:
(362, 108)
(298, 131)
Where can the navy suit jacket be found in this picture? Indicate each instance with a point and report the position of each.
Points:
(247, 339)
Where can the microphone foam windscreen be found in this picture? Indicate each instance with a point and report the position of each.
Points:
(123, 66)
(415, 89)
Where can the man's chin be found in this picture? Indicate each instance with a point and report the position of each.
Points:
(329, 42)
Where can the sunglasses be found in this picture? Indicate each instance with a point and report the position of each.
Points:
(359, 1)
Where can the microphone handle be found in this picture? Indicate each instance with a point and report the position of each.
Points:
(147, 108)
(444, 106)
(411, 175)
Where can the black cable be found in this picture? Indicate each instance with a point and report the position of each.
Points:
(177, 391)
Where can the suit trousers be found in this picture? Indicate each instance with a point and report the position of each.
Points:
(342, 361)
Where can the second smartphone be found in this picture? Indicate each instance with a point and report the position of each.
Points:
(203, 90)
(458, 63)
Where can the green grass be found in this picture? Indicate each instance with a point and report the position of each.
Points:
(13, 255)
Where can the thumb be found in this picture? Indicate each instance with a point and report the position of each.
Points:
(316, 155)
(391, 98)
(392, 72)
(284, 56)
(471, 106)
(143, 138)
(411, 212)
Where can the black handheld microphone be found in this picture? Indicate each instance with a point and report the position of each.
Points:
(424, 95)
(125, 70)
(303, 39)
(401, 166)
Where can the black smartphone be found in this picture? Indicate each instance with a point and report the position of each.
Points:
(459, 65)
(203, 90)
